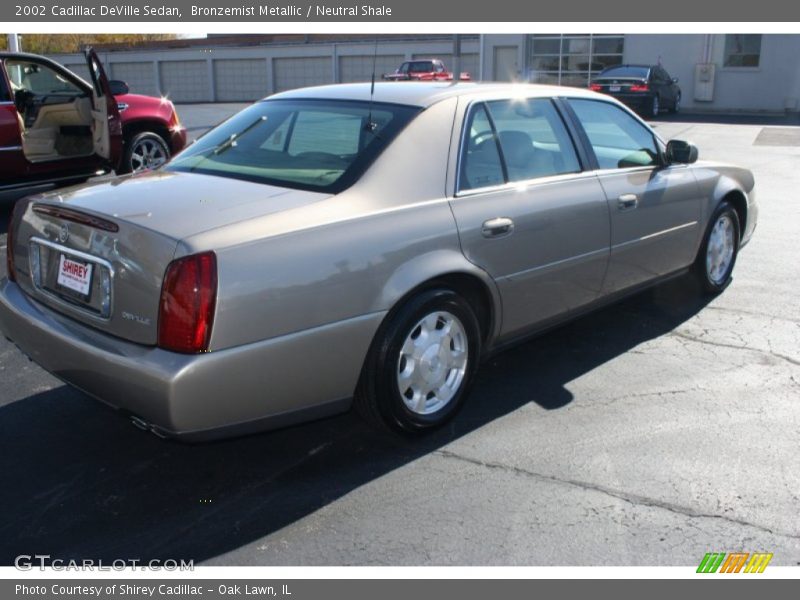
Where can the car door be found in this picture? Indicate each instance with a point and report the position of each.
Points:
(107, 121)
(12, 160)
(527, 212)
(665, 87)
(672, 84)
(655, 209)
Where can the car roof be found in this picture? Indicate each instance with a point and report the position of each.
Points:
(637, 66)
(424, 94)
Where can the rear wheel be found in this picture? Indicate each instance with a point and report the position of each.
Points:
(421, 364)
(717, 256)
(145, 150)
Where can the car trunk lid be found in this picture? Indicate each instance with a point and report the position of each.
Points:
(98, 254)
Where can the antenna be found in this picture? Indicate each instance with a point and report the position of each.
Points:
(370, 125)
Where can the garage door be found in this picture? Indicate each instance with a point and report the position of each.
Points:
(359, 68)
(296, 72)
(240, 80)
(469, 62)
(140, 77)
(185, 80)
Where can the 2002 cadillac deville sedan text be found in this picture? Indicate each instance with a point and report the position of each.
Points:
(322, 246)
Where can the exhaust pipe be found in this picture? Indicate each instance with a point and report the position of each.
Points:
(140, 423)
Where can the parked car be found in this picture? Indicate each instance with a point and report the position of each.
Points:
(328, 244)
(648, 89)
(431, 69)
(57, 129)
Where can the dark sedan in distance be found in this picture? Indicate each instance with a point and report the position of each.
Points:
(648, 89)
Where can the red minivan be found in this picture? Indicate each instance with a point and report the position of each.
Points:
(56, 129)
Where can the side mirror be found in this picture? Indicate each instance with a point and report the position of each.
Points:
(118, 88)
(681, 152)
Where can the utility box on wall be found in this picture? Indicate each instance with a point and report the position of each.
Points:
(704, 82)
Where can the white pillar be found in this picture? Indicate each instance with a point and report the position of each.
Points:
(13, 42)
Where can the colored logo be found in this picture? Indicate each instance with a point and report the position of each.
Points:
(734, 562)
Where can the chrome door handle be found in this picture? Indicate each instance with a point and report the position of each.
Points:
(627, 201)
(497, 227)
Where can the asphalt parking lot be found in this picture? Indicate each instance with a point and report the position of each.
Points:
(648, 433)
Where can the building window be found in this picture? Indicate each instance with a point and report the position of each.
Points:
(742, 50)
(571, 59)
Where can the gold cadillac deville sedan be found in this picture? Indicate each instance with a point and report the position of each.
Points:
(347, 246)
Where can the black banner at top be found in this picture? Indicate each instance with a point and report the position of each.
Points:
(473, 11)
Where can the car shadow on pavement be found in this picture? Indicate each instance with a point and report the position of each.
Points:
(79, 481)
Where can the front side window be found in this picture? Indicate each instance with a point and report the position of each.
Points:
(421, 67)
(742, 50)
(39, 79)
(619, 141)
(318, 145)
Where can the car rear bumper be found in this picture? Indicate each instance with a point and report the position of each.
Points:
(635, 101)
(259, 386)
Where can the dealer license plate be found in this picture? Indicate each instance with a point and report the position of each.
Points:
(75, 275)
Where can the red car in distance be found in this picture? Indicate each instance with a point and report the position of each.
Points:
(57, 129)
(431, 69)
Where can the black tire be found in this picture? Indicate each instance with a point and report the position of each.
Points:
(655, 107)
(131, 160)
(676, 105)
(702, 268)
(378, 398)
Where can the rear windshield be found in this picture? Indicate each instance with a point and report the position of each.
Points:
(626, 71)
(318, 145)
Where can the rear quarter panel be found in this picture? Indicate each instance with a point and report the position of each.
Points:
(355, 254)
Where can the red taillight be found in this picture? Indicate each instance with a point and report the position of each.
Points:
(640, 87)
(12, 274)
(595, 87)
(188, 297)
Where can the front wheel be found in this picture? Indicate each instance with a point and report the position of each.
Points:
(655, 107)
(146, 150)
(676, 106)
(717, 256)
(421, 364)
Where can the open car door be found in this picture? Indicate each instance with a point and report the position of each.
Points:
(106, 122)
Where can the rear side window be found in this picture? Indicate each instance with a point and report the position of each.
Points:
(515, 140)
(534, 140)
(619, 141)
(480, 158)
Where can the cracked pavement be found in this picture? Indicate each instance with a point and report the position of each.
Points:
(648, 433)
